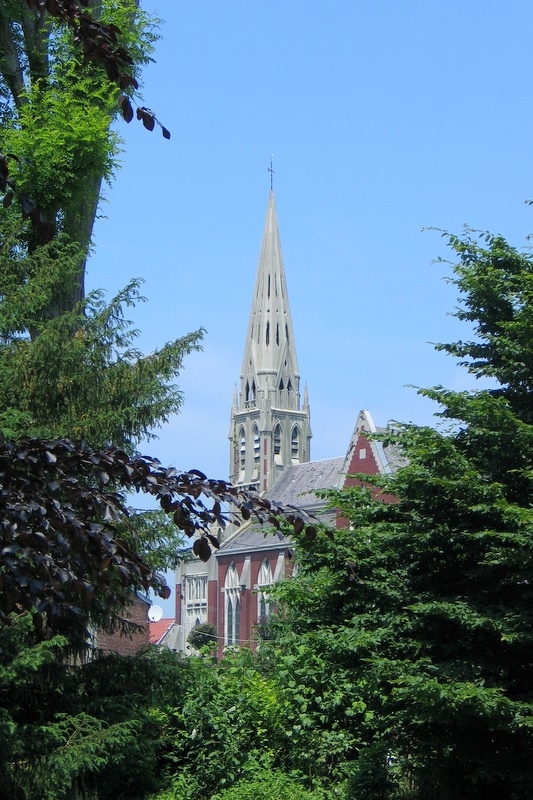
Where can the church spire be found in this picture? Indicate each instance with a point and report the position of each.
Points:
(270, 339)
(269, 429)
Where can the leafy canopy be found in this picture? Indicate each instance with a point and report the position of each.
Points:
(417, 621)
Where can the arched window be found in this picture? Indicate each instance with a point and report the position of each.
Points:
(249, 394)
(257, 445)
(264, 582)
(195, 600)
(277, 440)
(232, 616)
(277, 445)
(295, 445)
(242, 449)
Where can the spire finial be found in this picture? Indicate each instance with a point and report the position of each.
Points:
(271, 170)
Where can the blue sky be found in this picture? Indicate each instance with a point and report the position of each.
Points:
(384, 118)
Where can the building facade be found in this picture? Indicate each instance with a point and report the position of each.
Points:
(270, 450)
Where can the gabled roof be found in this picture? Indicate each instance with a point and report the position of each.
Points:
(386, 459)
(159, 629)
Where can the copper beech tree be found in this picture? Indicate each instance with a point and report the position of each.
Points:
(66, 552)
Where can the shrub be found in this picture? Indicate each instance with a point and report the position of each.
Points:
(267, 785)
(203, 634)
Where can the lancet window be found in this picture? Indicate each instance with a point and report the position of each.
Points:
(195, 600)
(232, 617)
(264, 582)
(242, 453)
(295, 445)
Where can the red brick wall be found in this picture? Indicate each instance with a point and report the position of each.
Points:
(249, 600)
(365, 463)
(212, 604)
(128, 645)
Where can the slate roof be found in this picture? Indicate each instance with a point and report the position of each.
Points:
(294, 487)
(297, 483)
(253, 537)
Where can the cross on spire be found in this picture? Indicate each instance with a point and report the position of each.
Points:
(271, 170)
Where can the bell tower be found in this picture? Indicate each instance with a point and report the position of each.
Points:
(270, 425)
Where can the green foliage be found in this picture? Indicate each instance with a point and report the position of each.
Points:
(421, 612)
(98, 386)
(31, 280)
(85, 730)
(60, 138)
(61, 112)
(229, 723)
(267, 785)
(203, 635)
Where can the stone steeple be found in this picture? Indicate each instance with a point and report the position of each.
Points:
(270, 429)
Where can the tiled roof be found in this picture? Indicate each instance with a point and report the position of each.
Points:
(159, 629)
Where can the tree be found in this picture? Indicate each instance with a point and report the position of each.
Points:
(69, 559)
(424, 607)
(79, 374)
(229, 725)
(64, 76)
(202, 635)
(60, 507)
(92, 731)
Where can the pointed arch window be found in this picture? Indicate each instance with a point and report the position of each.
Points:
(267, 337)
(257, 444)
(232, 615)
(195, 600)
(277, 445)
(242, 454)
(277, 332)
(257, 452)
(250, 391)
(277, 440)
(295, 445)
(264, 583)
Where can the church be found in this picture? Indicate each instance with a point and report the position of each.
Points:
(270, 452)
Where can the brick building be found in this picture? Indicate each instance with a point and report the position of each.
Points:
(127, 644)
(270, 448)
